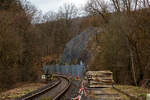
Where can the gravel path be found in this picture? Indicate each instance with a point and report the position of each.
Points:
(98, 94)
(72, 91)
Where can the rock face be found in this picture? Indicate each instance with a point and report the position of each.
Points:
(75, 51)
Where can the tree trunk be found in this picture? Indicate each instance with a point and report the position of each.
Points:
(132, 61)
(139, 64)
(133, 67)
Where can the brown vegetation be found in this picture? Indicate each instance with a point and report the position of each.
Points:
(123, 45)
(26, 40)
(15, 53)
(24, 88)
(125, 42)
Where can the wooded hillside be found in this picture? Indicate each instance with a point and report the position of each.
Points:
(126, 40)
(27, 39)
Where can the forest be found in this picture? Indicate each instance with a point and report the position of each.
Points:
(29, 39)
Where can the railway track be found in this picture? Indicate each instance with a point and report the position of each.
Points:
(52, 91)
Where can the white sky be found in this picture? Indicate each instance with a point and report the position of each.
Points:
(53, 5)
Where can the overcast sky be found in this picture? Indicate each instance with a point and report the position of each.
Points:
(53, 5)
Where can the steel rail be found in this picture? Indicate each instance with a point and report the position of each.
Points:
(65, 89)
(40, 92)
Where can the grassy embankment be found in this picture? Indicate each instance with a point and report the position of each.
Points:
(20, 90)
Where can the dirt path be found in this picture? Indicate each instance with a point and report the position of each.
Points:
(102, 94)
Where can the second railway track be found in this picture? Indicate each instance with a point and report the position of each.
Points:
(52, 91)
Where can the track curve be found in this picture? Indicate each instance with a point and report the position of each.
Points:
(52, 92)
(57, 91)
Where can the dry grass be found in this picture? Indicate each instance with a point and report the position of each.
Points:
(113, 91)
(22, 90)
(133, 90)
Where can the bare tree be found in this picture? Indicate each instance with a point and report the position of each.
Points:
(50, 16)
(96, 7)
(67, 12)
(129, 5)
